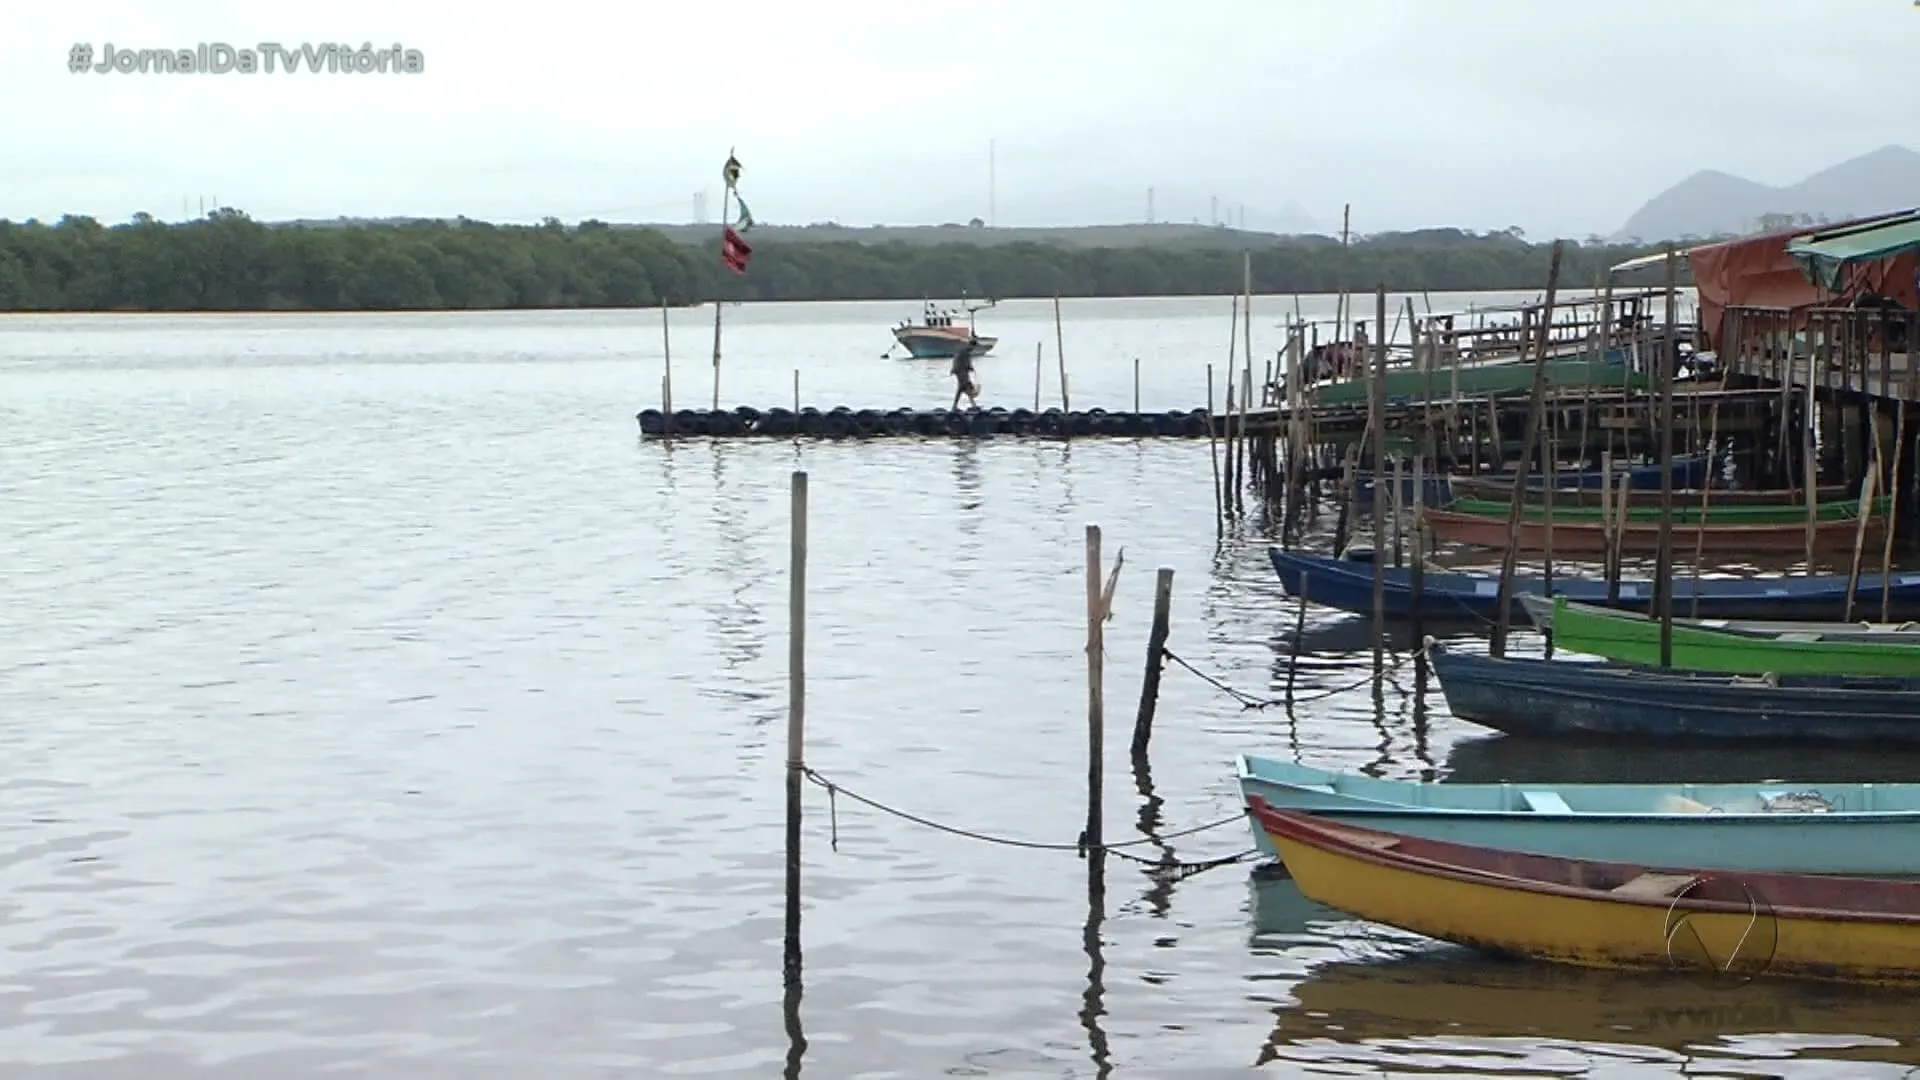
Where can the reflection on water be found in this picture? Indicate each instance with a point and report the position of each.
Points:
(1384, 1001)
(375, 701)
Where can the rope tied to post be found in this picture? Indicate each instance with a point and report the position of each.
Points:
(1250, 702)
(1162, 867)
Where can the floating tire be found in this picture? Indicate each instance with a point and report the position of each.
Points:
(652, 422)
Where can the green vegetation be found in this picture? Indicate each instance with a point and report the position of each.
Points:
(228, 262)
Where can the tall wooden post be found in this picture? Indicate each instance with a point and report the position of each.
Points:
(1663, 560)
(796, 713)
(1529, 443)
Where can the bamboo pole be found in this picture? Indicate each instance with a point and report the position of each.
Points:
(1038, 349)
(666, 377)
(1376, 419)
(1860, 538)
(1246, 387)
(796, 713)
(1706, 499)
(1663, 559)
(1136, 386)
(1528, 444)
(726, 197)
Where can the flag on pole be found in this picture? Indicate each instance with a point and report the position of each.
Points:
(734, 250)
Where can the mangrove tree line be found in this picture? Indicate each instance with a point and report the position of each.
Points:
(229, 262)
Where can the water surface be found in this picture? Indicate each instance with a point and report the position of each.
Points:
(375, 701)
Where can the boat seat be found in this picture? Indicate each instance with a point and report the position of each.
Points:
(1654, 886)
(1797, 636)
(1545, 802)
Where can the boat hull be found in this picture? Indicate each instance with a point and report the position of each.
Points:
(1636, 640)
(1643, 537)
(1362, 875)
(939, 342)
(1725, 829)
(1486, 380)
(1523, 696)
(1348, 586)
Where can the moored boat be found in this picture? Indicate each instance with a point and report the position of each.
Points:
(1687, 513)
(1607, 914)
(1499, 488)
(1813, 828)
(1348, 585)
(939, 334)
(1643, 537)
(1732, 647)
(1525, 696)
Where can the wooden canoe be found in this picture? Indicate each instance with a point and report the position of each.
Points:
(1643, 537)
(1526, 696)
(1777, 648)
(1348, 585)
(1500, 489)
(1540, 608)
(1598, 914)
(1805, 828)
(1848, 509)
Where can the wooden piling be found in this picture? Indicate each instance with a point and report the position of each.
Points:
(796, 712)
(1246, 386)
(1706, 499)
(1060, 354)
(1038, 349)
(1663, 559)
(1099, 602)
(796, 394)
(1136, 386)
(1213, 453)
(1156, 659)
(1893, 509)
(1536, 405)
(666, 369)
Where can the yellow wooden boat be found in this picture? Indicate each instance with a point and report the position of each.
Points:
(1607, 915)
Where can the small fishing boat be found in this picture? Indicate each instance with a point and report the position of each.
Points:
(940, 333)
(1802, 827)
(1688, 513)
(1443, 488)
(1500, 489)
(1607, 914)
(1643, 537)
(1348, 585)
(1524, 696)
(1731, 646)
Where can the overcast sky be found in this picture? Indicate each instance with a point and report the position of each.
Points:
(1561, 118)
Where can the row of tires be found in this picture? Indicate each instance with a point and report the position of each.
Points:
(846, 423)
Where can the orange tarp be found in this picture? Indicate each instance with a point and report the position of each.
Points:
(1758, 272)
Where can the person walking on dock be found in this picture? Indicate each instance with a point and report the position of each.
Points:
(963, 383)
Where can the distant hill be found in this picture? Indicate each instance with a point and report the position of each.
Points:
(1713, 203)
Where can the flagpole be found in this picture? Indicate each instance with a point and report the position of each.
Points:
(726, 216)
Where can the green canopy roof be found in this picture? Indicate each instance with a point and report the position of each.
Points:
(1824, 256)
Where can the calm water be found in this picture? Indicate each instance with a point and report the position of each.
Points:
(376, 703)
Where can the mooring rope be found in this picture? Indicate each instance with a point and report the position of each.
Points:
(1168, 868)
(1248, 701)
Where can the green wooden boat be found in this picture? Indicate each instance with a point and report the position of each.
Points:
(1489, 380)
(1838, 649)
(1640, 510)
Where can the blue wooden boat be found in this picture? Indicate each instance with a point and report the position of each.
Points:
(1348, 585)
(1524, 696)
(1689, 470)
(1808, 828)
